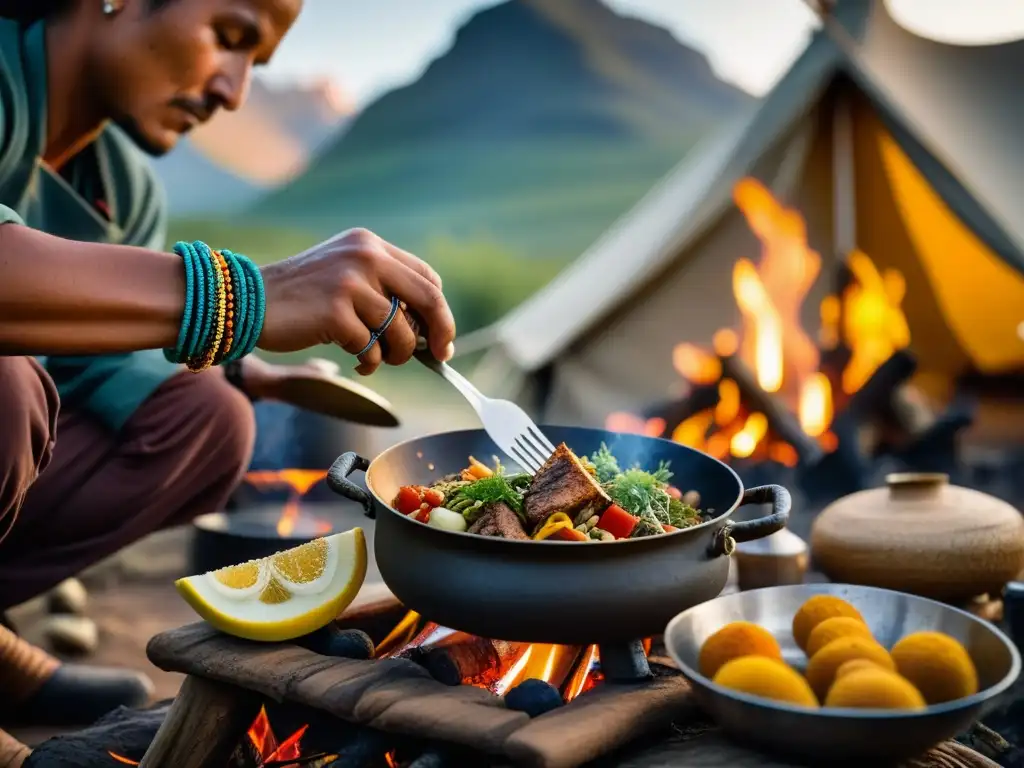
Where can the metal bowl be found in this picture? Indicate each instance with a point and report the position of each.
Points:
(841, 735)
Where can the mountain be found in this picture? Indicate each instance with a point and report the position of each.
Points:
(544, 121)
(228, 163)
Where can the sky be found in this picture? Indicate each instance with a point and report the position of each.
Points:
(369, 46)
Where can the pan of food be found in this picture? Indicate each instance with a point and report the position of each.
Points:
(598, 547)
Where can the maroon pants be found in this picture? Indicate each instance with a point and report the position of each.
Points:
(72, 492)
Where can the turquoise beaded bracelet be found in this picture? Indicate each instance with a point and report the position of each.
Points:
(206, 284)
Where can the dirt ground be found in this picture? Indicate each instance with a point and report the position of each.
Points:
(131, 598)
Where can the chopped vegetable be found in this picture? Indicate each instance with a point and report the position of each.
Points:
(569, 534)
(423, 515)
(433, 497)
(556, 522)
(643, 502)
(618, 522)
(408, 499)
(478, 469)
(447, 520)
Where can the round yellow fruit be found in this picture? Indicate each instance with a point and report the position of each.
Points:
(822, 668)
(733, 641)
(937, 664)
(874, 688)
(768, 678)
(816, 610)
(283, 596)
(833, 629)
(855, 665)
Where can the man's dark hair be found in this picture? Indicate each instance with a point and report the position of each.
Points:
(33, 10)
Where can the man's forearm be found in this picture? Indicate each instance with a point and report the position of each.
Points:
(63, 297)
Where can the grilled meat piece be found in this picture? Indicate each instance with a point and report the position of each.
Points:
(498, 519)
(562, 485)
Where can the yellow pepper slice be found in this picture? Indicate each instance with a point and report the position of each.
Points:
(556, 522)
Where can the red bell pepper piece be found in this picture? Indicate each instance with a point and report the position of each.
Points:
(569, 534)
(617, 521)
(433, 497)
(408, 499)
(668, 528)
(423, 515)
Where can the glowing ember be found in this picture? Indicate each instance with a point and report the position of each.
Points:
(783, 358)
(496, 666)
(627, 422)
(298, 482)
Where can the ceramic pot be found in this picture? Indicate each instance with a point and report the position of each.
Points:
(923, 536)
(772, 561)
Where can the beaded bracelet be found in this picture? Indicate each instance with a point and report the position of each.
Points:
(224, 310)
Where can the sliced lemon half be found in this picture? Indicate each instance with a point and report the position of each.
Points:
(283, 596)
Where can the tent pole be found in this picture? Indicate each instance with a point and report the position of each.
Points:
(844, 197)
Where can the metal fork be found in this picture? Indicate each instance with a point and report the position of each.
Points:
(507, 424)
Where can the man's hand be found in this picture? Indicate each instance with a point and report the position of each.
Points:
(338, 292)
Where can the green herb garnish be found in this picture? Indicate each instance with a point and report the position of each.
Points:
(682, 515)
(605, 463)
(491, 489)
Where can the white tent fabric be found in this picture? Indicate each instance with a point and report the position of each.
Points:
(599, 337)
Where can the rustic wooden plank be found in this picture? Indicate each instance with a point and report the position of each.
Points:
(600, 721)
(203, 727)
(395, 695)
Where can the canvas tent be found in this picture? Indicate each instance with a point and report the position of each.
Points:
(909, 149)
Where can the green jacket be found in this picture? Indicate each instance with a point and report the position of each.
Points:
(112, 173)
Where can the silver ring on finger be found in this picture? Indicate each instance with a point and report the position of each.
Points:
(376, 333)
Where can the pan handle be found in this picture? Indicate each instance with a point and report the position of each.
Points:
(732, 533)
(337, 480)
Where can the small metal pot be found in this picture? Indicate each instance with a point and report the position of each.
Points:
(553, 591)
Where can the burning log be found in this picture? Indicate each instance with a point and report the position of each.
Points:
(878, 390)
(472, 660)
(203, 726)
(780, 420)
(702, 397)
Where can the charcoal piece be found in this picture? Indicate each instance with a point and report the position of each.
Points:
(365, 751)
(340, 643)
(125, 732)
(435, 758)
(534, 697)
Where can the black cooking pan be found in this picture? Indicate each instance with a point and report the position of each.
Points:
(554, 591)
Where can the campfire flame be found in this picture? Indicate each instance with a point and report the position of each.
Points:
(298, 482)
(772, 343)
(571, 669)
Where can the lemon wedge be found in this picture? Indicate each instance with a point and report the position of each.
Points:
(283, 596)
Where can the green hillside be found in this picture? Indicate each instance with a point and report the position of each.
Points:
(545, 121)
